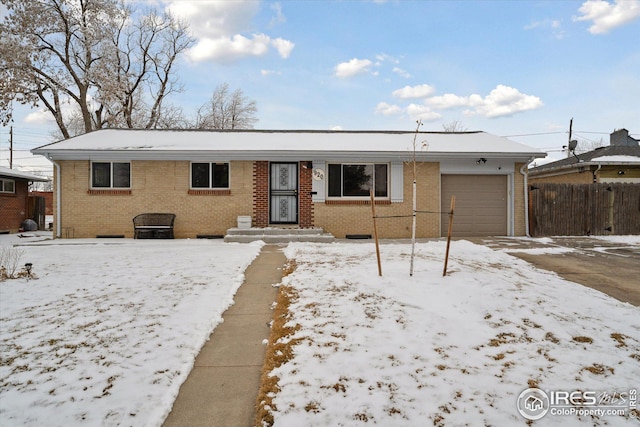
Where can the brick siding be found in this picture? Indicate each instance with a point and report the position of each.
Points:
(163, 186)
(156, 186)
(13, 206)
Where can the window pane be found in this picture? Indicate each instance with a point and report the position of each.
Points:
(357, 180)
(220, 173)
(101, 176)
(121, 175)
(335, 180)
(381, 180)
(199, 175)
(10, 186)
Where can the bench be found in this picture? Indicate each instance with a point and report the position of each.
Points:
(153, 226)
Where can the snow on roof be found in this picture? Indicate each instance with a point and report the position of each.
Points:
(272, 142)
(14, 173)
(617, 159)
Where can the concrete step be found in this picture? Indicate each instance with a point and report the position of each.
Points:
(274, 231)
(278, 235)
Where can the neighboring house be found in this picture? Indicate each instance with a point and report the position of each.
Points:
(618, 162)
(14, 198)
(48, 199)
(288, 179)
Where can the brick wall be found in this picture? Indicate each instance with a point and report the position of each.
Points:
(13, 206)
(304, 194)
(157, 186)
(355, 218)
(260, 194)
(574, 177)
(163, 186)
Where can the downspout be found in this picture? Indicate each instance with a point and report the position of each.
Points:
(595, 172)
(58, 233)
(525, 174)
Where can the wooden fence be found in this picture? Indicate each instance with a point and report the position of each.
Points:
(584, 209)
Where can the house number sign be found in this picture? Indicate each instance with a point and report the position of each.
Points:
(318, 174)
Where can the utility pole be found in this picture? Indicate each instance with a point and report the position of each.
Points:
(569, 141)
(10, 147)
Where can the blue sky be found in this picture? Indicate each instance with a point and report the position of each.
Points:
(505, 67)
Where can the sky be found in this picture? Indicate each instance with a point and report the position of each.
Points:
(520, 69)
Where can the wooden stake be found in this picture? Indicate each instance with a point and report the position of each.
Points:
(446, 256)
(375, 231)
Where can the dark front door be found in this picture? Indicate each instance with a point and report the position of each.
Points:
(283, 193)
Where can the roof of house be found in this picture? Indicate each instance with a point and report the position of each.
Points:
(14, 173)
(610, 155)
(281, 144)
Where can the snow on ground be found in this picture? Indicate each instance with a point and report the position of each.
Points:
(111, 328)
(455, 350)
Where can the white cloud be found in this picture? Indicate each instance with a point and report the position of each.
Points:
(383, 57)
(352, 68)
(501, 101)
(39, 117)
(422, 112)
(504, 101)
(388, 109)
(283, 46)
(402, 73)
(270, 72)
(218, 27)
(279, 18)
(449, 100)
(607, 16)
(413, 92)
(215, 19)
(553, 26)
(338, 127)
(230, 49)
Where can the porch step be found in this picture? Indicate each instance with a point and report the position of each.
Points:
(278, 235)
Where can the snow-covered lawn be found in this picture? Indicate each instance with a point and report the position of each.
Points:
(446, 351)
(110, 330)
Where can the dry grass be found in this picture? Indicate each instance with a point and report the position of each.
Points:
(279, 350)
(582, 339)
(620, 339)
(598, 369)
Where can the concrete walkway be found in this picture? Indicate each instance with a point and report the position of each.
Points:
(222, 388)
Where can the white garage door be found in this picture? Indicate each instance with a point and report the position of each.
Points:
(481, 205)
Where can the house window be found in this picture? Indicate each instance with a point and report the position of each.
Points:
(110, 175)
(210, 175)
(356, 180)
(7, 185)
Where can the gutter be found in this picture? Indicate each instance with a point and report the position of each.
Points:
(525, 174)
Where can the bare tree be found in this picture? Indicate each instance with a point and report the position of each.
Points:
(88, 62)
(454, 126)
(226, 110)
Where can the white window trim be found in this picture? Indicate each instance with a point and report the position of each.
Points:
(110, 187)
(13, 181)
(389, 186)
(210, 176)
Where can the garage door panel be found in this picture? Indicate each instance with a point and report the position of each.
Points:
(481, 204)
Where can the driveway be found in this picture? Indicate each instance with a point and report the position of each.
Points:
(609, 265)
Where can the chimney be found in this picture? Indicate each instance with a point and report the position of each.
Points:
(621, 138)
